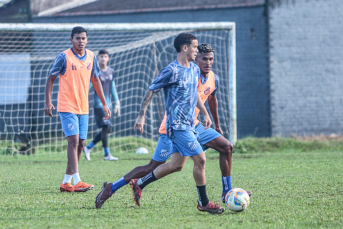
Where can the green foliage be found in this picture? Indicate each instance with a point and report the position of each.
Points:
(250, 145)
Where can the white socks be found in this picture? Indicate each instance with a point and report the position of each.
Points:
(76, 178)
(66, 178)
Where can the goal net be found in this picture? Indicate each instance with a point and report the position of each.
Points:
(137, 53)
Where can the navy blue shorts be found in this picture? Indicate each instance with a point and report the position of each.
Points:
(99, 115)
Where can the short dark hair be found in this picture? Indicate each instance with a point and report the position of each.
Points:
(103, 51)
(77, 30)
(183, 39)
(205, 48)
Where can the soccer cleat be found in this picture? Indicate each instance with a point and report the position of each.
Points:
(137, 191)
(82, 187)
(87, 153)
(224, 194)
(110, 158)
(211, 208)
(67, 187)
(104, 194)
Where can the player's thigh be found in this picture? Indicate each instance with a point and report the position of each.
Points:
(186, 143)
(206, 135)
(163, 149)
(220, 144)
(70, 124)
(99, 115)
(83, 126)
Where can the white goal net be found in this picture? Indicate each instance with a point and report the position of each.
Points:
(137, 53)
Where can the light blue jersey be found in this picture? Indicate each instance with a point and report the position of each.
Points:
(180, 86)
(108, 87)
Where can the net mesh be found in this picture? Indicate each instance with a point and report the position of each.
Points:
(136, 57)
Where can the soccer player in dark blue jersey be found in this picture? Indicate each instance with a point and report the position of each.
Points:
(109, 88)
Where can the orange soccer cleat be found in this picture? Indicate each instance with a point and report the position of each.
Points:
(82, 187)
(67, 187)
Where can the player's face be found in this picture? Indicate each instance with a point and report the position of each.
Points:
(79, 41)
(192, 50)
(103, 59)
(205, 61)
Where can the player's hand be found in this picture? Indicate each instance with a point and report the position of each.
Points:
(207, 121)
(48, 109)
(139, 124)
(107, 112)
(117, 108)
(219, 130)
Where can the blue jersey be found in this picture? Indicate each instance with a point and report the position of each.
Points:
(108, 87)
(180, 86)
(60, 65)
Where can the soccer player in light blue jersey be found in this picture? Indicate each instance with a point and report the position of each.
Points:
(180, 83)
(109, 88)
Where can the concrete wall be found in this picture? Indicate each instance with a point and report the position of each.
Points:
(253, 110)
(306, 65)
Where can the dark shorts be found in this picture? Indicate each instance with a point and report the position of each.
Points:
(99, 114)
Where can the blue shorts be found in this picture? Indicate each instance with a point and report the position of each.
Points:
(205, 135)
(99, 114)
(73, 124)
(163, 149)
(185, 142)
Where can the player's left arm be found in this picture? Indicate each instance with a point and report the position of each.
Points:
(98, 87)
(200, 105)
(213, 105)
(115, 98)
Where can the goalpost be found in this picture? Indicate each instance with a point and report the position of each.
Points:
(138, 51)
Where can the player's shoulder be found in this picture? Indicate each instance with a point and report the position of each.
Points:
(110, 70)
(216, 77)
(89, 52)
(61, 56)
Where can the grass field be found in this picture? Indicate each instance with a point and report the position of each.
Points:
(293, 187)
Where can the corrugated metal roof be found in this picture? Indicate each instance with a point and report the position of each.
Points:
(133, 6)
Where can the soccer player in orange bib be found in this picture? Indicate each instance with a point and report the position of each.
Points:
(76, 67)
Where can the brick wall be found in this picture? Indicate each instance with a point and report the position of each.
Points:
(306, 67)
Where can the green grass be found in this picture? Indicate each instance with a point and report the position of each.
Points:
(292, 188)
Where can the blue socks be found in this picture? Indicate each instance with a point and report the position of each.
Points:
(106, 151)
(226, 181)
(118, 184)
(91, 145)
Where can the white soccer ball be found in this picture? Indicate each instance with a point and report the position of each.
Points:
(237, 200)
(142, 150)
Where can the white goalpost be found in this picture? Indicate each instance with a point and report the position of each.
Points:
(138, 51)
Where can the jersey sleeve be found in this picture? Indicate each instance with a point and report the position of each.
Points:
(96, 69)
(216, 82)
(114, 91)
(163, 79)
(59, 66)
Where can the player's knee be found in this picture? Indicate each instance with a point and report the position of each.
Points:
(106, 129)
(74, 143)
(81, 144)
(201, 161)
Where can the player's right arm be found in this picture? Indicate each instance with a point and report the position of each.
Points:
(162, 80)
(59, 67)
(48, 89)
(144, 106)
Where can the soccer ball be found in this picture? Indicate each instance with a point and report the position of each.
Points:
(142, 150)
(237, 200)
